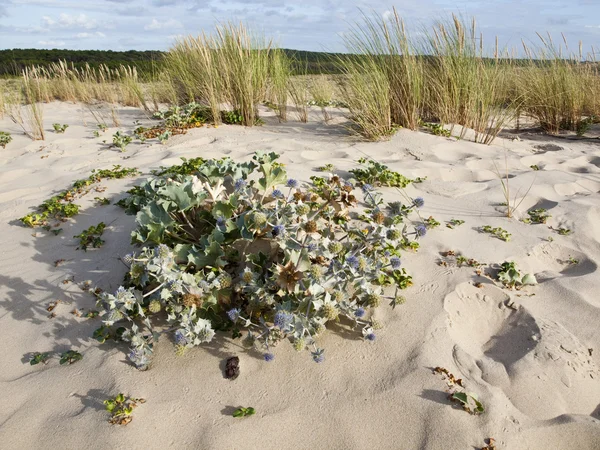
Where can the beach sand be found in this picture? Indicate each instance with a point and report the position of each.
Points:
(532, 356)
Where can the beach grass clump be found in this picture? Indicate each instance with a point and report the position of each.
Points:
(387, 65)
(298, 90)
(240, 247)
(280, 70)
(230, 66)
(559, 87)
(463, 86)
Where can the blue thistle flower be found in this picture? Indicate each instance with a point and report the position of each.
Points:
(221, 221)
(367, 188)
(371, 337)
(277, 193)
(240, 184)
(269, 357)
(419, 202)
(421, 230)
(395, 262)
(291, 183)
(283, 320)
(318, 355)
(233, 314)
(311, 247)
(278, 230)
(360, 312)
(180, 338)
(352, 261)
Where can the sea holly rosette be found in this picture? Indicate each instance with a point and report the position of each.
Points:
(240, 247)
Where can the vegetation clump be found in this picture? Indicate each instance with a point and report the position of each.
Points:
(497, 232)
(121, 408)
(240, 246)
(91, 237)
(59, 129)
(511, 277)
(537, 216)
(61, 206)
(5, 139)
(374, 173)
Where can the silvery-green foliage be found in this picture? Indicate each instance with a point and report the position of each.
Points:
(239, 246)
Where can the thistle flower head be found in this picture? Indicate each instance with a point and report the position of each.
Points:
(278, 230)
(277, 193)
(154, 306)
(360, 312)
(128, 258)
(419, 202)
(371, 337)
(393, 234)
(268, 357)
(335, 247)
(283, 319)
(352, 261)
(180, 338)
(395, 262)
(221, 221)
(318, 355)
(421, 230)
(373, 300)
(291, 183)
(233, 314)
(366, 188)
(302, 209)
(240, 184)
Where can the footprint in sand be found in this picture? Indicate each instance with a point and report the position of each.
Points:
(551, 259)
(583, 186)
(313, 155)
(534, 361)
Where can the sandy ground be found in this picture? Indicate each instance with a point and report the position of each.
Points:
(535, 365)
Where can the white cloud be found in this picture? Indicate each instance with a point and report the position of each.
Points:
(99, 34)
(68, 21)
(51, 43)
(170, 24)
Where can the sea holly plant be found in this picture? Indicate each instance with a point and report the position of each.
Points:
(511, 277)
(239, 247)
(498, 232)
(5, 139)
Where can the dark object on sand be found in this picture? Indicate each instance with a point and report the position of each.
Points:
(232, 368)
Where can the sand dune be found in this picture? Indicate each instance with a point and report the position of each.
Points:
(533, 356)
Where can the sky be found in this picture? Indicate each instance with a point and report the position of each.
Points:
(303, 25)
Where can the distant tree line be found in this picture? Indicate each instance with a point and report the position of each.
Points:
(149, 62)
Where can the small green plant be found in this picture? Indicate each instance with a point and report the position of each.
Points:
(102, 201)
(70, 357)
(537, 216)
(164, 137)
(498, 232)
(91, 237)
(102, 127)
(232, 117)
(38, 358)
(188, 167)
(244, 412)
(563, 231)
(583, 126)
(534, 167)
(468, 400)
(326, 168)
(511, 277)
(454, 223)
(5, 139)
(58, 128)
(121, 141)
(96, 133)
(436, 129)
(572, 260)
(376, 174)
(431, 222)
(61, 206)
(121, 407)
